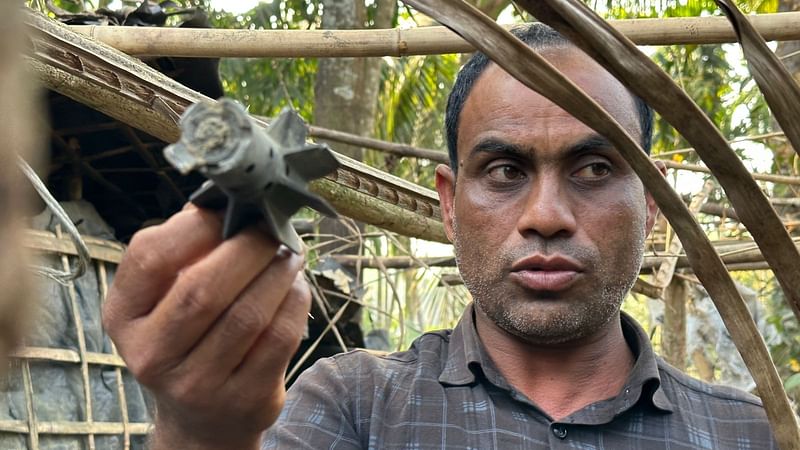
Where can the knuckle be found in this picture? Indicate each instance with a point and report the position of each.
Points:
(244, 319)
(188, 391)
(144, 253)
(144, 367)
(284, 334)
(195, 297)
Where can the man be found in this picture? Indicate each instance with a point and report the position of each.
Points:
(548, 223)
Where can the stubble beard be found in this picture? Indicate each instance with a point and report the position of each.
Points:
(550, 321)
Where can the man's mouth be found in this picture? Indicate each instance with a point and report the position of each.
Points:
(546, 272)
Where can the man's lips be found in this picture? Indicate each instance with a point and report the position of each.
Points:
(546, 272)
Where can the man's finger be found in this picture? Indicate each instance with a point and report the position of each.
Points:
(245, 320)
(153, 259)
(204, 290)
(280, 340)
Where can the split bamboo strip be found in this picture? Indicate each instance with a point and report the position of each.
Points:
(33, 426)
(534, 71)
(71, 428)
(99, 249)
(123, 402)
(639, 73)
(77, 321)
(133, 93)
(214, 43)
(67, 356)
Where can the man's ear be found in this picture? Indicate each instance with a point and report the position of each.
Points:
(652, 208)
(446, 187)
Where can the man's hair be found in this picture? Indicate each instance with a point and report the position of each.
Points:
(538, 36)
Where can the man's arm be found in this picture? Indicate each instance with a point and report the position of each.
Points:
(209, 327)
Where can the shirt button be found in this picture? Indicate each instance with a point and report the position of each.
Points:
(560, 431)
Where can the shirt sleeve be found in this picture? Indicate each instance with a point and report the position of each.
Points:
(316, 414)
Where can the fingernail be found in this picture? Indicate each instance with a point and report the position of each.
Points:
(283, 252)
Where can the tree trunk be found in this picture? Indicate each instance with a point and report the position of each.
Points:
(674, 336)
(346, 93)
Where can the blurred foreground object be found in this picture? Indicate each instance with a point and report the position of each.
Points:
(17, 127)
(253, 173)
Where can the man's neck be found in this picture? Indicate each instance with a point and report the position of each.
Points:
(560, 379)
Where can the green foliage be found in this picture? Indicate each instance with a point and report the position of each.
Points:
(671, 8)
(412, 104)
(268, 85)
(706, 74)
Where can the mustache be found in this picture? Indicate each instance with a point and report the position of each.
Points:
(548, 247)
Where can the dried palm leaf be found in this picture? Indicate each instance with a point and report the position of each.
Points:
(776, 83)
(535, 72)
(621, 57)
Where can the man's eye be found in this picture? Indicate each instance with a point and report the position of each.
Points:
(594, 170)
(505, 173)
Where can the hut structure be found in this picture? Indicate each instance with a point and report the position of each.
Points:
(111, 114)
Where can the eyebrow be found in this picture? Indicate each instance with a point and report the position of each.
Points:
(588, 144)
(493, 145)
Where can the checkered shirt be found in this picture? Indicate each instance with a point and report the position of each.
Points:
(445, 393)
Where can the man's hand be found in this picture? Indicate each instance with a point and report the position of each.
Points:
(209, 327)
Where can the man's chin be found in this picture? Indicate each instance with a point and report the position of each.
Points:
(549, 321)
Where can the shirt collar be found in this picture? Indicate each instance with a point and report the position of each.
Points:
(467, 357)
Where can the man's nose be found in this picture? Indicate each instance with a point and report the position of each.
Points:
(548, 210)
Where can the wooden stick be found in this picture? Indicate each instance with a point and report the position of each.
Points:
(663, 276)
(783, 179)
(756, 137)
(377, 144)
(214, 43)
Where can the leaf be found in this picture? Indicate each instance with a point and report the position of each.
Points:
(779, 87)
(792, 383)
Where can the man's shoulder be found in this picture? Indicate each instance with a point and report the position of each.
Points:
(687, 391)
(426, 355)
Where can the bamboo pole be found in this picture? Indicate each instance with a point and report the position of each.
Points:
(214, 43)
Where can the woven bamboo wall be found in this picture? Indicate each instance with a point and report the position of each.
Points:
(34, 430)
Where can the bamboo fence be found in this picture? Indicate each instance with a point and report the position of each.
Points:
(105, 256)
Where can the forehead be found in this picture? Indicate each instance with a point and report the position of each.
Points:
(499, 106)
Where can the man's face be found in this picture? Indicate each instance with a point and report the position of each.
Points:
(547, 219)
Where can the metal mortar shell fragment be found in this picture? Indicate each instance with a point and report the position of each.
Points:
(254, 173)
